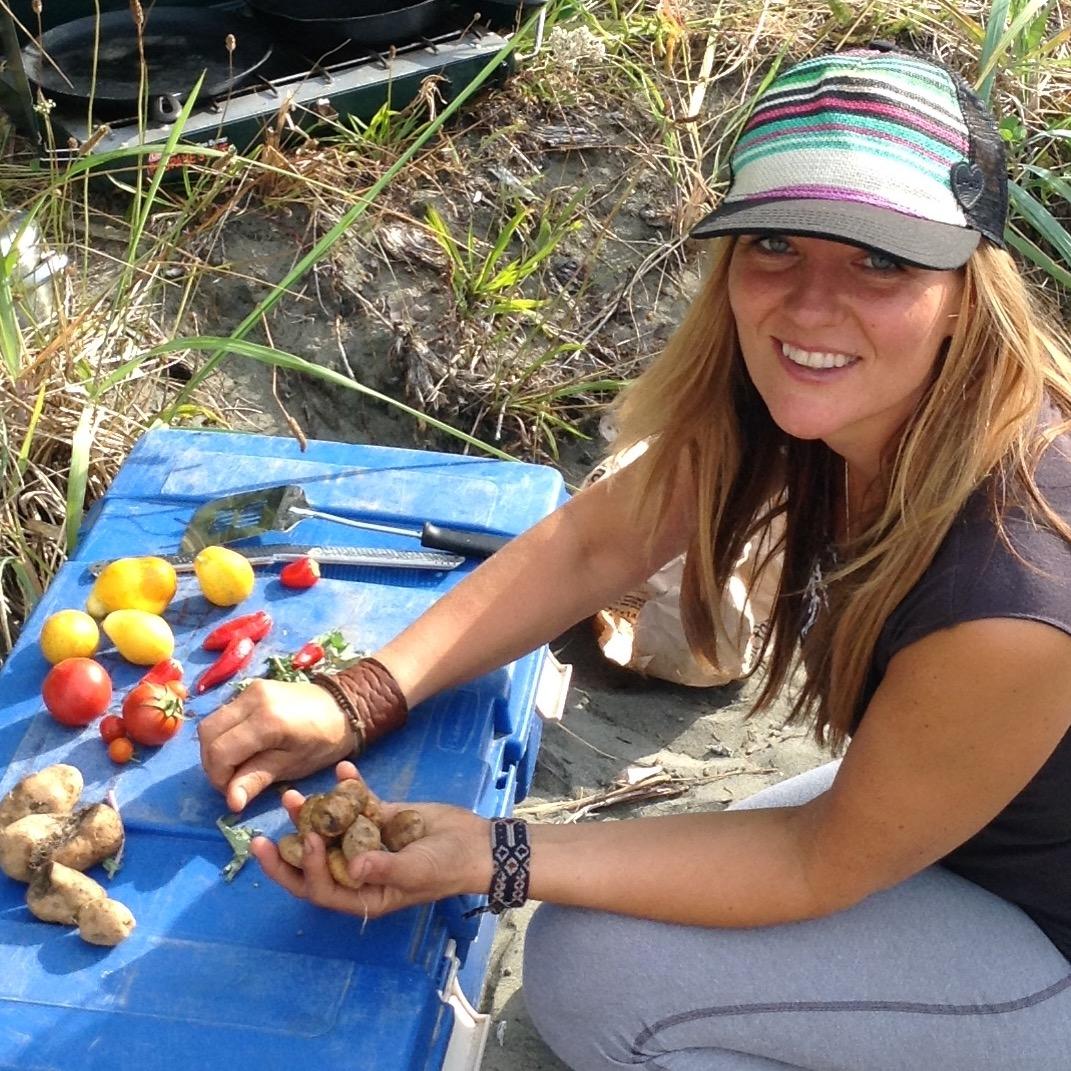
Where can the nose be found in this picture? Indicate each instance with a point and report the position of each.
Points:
(814, 297)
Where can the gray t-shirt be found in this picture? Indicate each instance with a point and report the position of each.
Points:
(1024, 854)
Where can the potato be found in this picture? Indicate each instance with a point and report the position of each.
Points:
(96, 834)
(336, 863)
(355, 789)
(28, 842)
(361, 837)
(373, 810)
(291, 849)
(53, 790)
(105, 922)
(401, 830)
(329, 813)
(57, 893)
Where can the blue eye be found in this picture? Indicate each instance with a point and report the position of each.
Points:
(883, 262)
(772, 243)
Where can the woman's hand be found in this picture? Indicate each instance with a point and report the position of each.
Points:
(454, 856)
(271, 731)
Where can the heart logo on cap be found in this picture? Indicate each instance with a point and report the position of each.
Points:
(968, 183)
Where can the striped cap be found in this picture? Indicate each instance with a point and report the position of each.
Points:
(876, 147)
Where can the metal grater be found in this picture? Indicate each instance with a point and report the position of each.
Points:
(383, 557)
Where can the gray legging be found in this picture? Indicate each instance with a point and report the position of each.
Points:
(935, 974)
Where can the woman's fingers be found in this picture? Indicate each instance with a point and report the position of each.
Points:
(251, 778)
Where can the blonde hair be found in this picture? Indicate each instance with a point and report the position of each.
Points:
(978, 419)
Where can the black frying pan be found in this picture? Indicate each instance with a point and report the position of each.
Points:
(179, 44)
(326, 24)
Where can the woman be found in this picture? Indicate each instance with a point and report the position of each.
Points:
(864, 363)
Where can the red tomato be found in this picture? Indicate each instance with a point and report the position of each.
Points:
(152, 713)
(120, 750)
(77, 691)
(111, 728)
(300, 573)
(178, 688)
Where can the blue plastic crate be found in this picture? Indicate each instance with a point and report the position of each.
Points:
(240, 975)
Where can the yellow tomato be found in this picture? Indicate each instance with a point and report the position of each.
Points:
(140, 637)
(146, 583)
(68, 634)
(226, 578)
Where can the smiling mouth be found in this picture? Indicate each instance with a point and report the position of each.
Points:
(816, 358)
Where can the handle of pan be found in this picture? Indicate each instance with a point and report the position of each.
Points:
(460, 541)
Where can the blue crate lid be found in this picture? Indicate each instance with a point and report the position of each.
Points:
(240, 974)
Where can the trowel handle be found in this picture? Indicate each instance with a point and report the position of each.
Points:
(460, 541)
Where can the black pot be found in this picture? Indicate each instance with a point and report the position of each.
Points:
(180, 44)
(327, 24)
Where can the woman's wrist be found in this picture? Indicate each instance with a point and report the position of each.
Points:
(369, 698)
(505, 873)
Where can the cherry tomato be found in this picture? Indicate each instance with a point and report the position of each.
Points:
(152, 713)
(312, 654)
(77, 691)
(120, 750)
(112, 727)
(301, 573)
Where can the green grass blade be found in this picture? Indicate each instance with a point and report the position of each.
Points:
(991, 56)
(280, 359)
(1041, 219)
(31, 427)
(1018, 241)
(994, 27)
(78, 478)
(1053, 183)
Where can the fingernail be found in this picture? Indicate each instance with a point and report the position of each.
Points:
(241, 798)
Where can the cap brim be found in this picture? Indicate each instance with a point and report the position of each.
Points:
(940, 246)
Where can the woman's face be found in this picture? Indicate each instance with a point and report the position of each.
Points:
(840, 342)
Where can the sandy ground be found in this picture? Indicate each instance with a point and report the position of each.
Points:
(613, 720)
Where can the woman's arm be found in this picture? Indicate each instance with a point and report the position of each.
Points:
(962, 721)
(563, 569)
(567, 567)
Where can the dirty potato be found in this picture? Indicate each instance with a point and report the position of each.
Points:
(373, 810)
(291, 849)
(336, 863)
(401, 830)
(104, 922)
(328, 813)
(57, 893)
(356, 789)
(27, 843)
(53, 790)
(96, 834)
(362, 836)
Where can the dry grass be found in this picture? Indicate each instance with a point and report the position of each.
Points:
(602, 151)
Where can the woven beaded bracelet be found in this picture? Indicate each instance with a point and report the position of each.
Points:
(511, 859)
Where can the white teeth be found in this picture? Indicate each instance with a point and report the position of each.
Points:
(816, 360)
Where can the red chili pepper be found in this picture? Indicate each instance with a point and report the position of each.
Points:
(236, 656)
(300, 573)
(308, 656)
(255, 626)
(170, 669)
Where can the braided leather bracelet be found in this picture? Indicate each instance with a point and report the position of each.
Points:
(511, 858)
(370, 698)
